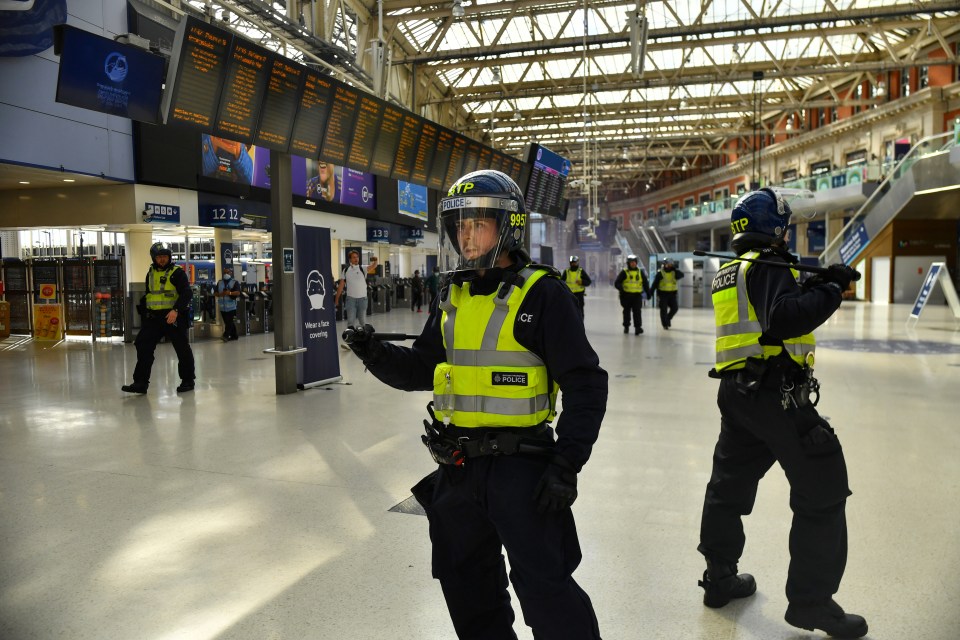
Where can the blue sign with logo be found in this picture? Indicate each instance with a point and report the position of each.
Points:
(854, 244)
(161, 213)
(315, 311)
(926, 289)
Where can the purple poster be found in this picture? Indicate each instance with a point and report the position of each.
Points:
(261, 167)
(358, 190)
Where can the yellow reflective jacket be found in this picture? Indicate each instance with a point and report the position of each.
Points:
(489, 379)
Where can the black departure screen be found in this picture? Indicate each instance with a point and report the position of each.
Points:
(425, 150)
(343, 111)
(407, 147)
(436, 179)
(486, 155)
(387, 140)
(279, 105)
(472, 157)
(244, 87)
(455, 165)
(311, 115)
(369, 115)
(196, 73)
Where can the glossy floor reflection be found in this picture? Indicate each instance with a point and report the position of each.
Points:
(231, 512)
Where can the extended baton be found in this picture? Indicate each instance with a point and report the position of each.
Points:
(799, 267)
(386, 337)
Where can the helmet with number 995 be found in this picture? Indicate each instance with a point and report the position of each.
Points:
(482, 218)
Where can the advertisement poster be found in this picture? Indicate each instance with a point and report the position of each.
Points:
(47, 322)
(315, 313)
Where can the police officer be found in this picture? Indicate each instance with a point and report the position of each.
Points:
(767, 395)
(665, 284)
(633, 287)
(166, 314)
(505, 338)
(577, 280)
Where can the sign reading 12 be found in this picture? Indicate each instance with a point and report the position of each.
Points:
(223, 216)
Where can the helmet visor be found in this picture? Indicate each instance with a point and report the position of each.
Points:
(472, 231)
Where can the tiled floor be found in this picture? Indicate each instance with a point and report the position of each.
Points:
(231, 512)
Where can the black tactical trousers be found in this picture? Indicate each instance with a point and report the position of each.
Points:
(478, 510)
(756, 431)
(155, 328)
(632, 303)
(667, 300)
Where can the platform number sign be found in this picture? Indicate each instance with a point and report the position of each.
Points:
(220, 216)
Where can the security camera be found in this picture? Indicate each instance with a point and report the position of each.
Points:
(147, 215)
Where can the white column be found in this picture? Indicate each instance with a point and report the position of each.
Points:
(137, 253)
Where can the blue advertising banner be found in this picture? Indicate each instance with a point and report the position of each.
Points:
(316, 317)
(854, 244)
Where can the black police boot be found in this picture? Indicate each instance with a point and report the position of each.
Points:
(626, 328)
(721, 584)
(827, 616)
(136, 387)
(185, 385)
(638, 331)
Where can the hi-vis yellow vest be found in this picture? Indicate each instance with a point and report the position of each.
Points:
(668, 281)
(572, 277)
(161, 294)
(490, 379)
(738, 330)
(632, 281)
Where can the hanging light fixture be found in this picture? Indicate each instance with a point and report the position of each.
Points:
(457, 10)
(495, 71)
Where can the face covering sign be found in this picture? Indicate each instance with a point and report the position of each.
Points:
(316, 316)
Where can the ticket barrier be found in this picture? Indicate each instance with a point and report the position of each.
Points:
(254, 312)
(391, 295)
(380, 295)
(267, 310)
(243, 325)
(204, 323)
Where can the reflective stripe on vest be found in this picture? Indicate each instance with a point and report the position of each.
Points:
(489, 379)
(738, 330)
(572, 277)
(668, 281)
(632, 281)
(161, 294)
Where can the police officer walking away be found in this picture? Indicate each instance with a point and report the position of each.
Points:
(633, 286)
(166, 314)
(577, 280)
(665, 284)
(767, 394)
(505, 338)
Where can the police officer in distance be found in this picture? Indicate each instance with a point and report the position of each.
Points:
(577, 280)
(767, 401)
(505, 337)
(633, 287)
(665, 284)
(165, 314)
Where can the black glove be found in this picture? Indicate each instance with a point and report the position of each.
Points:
(557, 489)
(362, 343)
(842, 275)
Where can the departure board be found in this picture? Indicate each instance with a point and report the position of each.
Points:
(486, 155)
(387, 139)
(369, 114)
(311, 115)
(244, 87)
(441, 160)
(279, 105)
(472, 157)
(496, 161)
(343, 111)
(195, 76)
(423, 159)
(406, 147)
(548, 178)
(455, 166)
(515, 170)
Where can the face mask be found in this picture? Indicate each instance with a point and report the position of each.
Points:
(227, 276)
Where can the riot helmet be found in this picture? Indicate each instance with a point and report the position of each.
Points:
(632, 258)
(160, 249)
(760, 218)
(481, 218)
(574, 260)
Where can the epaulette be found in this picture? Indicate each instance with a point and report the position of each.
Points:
(551, 271)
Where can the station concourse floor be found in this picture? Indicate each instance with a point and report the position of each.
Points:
(234, 513)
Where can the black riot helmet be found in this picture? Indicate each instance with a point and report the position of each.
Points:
(759, 219)
(483, 205)
(160, 249)
(632, 258)
(574, 261)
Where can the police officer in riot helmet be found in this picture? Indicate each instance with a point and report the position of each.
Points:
(634, 289)
(165, 313)
(665, 284)
(577, 280)
(767, 399)
(503, 337)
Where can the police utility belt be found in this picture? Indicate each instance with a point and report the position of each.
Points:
(796, 384)
(446, 448)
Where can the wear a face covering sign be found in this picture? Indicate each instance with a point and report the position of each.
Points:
(316, 316)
